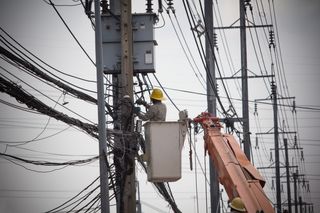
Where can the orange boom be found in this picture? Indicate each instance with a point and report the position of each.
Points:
(238, 176)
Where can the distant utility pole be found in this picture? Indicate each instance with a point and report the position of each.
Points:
(276, 144)
(244, 80)
(285, 141)
(244, 73)
(104, 185)
(211, 98)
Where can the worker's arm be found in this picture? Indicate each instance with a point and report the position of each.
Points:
(148, 115)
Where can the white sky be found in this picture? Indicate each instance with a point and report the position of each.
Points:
(37, 27)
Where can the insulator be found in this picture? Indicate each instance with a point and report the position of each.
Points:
(271, 159)
(295, 141)
(149, 6)
(170, 4)
(255, 108)
(271, 39)
(104, 6)
(160, 10)
(257, 144)
(294, 106)
(281, 188)
(273, 88)
(196, 128)
(303, 183)
(272, 184)
(308, 187)
(247, 3)
(302, 156)
(88, 6)
(215, 43)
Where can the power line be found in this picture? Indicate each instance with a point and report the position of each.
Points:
(55, 69)
(74, 37)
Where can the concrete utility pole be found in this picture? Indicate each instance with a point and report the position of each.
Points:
(276, 144)
(295, 177)
(244, 80)
(211, 98)
(104, 185)
(285, 141)
(126, 79)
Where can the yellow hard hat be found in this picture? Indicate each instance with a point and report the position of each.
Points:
(157, 95)
(237, 204)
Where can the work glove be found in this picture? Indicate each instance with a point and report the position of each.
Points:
(141, 102)
(136, 110)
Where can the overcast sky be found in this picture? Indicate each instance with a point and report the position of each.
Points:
(38, 28)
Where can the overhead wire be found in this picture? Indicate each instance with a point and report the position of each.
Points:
(218, 69)
(193, 65)
(23, 60)
(260, 51)
(47, 163)
(53, 68)
(58, 208)
(62, 5)
(166, 93)
(46, 95)
(201, 53)
(72, 34)
(225, 45)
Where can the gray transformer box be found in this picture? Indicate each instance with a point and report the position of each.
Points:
(143, 43)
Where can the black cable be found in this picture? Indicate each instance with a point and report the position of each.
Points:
(88, 15)
(22, 61)
(71, 32)
(55, 69)
(165, 92)
(18, 107)
(211, 82)
(16, 91)
(63, 5)
(302, 107)
(184, 51)
(87, 187)
(218, 69)
(47, 163)
(46, 95)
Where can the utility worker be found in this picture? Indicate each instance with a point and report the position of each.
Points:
(155, 112)
(237, 205)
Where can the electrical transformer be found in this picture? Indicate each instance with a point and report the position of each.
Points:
(143, 43)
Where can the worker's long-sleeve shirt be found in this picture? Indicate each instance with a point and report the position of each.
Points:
(156, 112)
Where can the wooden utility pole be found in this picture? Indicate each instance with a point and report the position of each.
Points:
(126, 79)
(104, 186)
(211, 98)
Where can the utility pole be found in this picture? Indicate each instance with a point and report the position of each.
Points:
(288, 175)
(104, 185)
(276, 143)
(126, 79)
(244, 80)
(211, 98)
(139, 210)
(300, 204)
(244, 73)
(295, 177)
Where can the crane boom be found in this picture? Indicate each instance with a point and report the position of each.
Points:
(238, 176)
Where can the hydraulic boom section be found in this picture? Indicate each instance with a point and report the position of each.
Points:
(238, 176)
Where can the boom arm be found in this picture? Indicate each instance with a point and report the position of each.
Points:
(238, 176)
